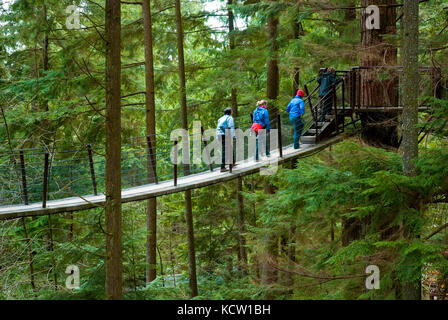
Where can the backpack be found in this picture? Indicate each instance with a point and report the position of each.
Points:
(257, 119)
(224, 125)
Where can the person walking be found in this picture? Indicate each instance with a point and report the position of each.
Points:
(225, 123)
(296, 109)
(261, 121)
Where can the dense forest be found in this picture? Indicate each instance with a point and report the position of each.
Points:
(87, 87)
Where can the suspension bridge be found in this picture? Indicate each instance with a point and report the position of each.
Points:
(68, 179)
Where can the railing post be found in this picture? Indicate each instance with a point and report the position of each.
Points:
(92, 169)
(279, 135)
(343, 105)
(351, 89)
(45, 182)
(354, 88)
(229, 149)
(335, 107)
(22, 167)
(205, 145)
(358, 85)
(152, 160)
(175, 162)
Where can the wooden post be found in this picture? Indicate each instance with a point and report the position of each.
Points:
(175, 163)
(153, 160)
(22, 167)
(205, 145)
(279, 135)
(92, 169)
(45, 182)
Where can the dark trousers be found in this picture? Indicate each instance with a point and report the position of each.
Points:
(223, 152)
(327, 105)
(298, 128)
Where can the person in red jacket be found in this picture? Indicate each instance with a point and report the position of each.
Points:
(261, 121)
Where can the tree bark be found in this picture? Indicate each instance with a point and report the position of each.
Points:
(410, 83)
(241, 224)
(188, 204)
(411, 80)
(232, 45)
(379, 128)
(270, 251)
(44, 130)
(114, 263)
(273, 76)
(151, 217)
(30, 254)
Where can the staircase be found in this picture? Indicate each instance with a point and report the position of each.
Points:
(335, 121)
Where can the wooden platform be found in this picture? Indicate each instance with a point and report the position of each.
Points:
(164, 188)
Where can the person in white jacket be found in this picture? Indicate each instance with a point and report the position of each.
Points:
(224, 123)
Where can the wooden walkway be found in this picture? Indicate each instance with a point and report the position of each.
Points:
(193, 181)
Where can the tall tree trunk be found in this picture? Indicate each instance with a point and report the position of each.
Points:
(298, 31)
(30, 254)
(379, 128)
(114, 263)
(411, 80)
(232, 46)
(273, 76)
(44, 130)
(270, 251)
(239, 184)
(51, 243)
(151, 217)
(183, 100)
(241, 224)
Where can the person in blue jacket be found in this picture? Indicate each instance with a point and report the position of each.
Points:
(261, 121)
(296, 109)
(224, 123)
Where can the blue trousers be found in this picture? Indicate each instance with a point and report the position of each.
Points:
(298, 128)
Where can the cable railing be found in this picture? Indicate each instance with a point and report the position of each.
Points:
(39, 175)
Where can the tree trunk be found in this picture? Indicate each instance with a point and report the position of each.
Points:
(411, 291)
(241, 224)
(269, 259)
(233, 94)
(30, 254)
(114, 263)
(298, 31)
(379, 128)
(273, 77)
(44, 130)
(188, 204)
(151, 217)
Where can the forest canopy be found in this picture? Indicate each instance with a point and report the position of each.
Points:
(69, 69)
